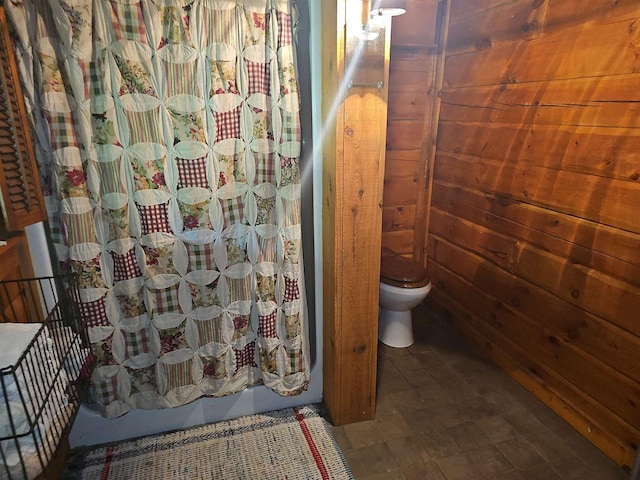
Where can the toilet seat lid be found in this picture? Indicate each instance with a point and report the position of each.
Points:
(400, 269)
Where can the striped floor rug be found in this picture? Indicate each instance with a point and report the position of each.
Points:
(294, 444)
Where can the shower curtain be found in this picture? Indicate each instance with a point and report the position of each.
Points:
(168, 141)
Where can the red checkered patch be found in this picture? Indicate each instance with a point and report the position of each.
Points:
(125, 266)
(154, 218)
(246, 356)
(267, 325)
(291, 290)
(94, 313)
(259, 75)
(228, 124)
(284, 29)
(192, 172)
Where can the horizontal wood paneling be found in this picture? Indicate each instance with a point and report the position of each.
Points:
(400, 217)
(612, 299)
(581, 242)
(566, 321)
(407, 105)
(405, 135)
(411, 102)
(571, 12)
(606, 152)
(534, 235)
(608, 201)
(402, 163)
(597, 102)
(400, 241)
(521, 18)
(413, 29)
(568, 53)
(400, 190)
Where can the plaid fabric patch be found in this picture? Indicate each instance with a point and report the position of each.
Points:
(128, 21)
(295, 361)
(94, 313)
(259, 75)
(97, 79)
(291, 290)
(233, 211)
(228, 124)
(246, 356)
(154, 218)
(106, 390)
(136, 343)
(166, 300)
(192, 173)
(62, 133)
(85, 67)
(264, 163)
(209, 331)
(267, 325)
(178, 374)
(201, 257)
(290, 126)
(125, 266)
(285, 37)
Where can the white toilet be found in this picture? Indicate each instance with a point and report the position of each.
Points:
(403, 285)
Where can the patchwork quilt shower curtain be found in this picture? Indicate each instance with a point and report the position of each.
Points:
(168, 139)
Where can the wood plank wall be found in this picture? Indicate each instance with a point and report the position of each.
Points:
(534, 231)
(411, 98)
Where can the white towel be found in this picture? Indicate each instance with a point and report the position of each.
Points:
(14, 340)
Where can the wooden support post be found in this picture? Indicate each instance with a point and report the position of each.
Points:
(353, 172)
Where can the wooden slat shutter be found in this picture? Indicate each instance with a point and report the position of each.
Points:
(22, 202)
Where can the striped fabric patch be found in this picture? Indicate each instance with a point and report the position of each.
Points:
(80, 227)
(178, 374)
(209, 331)
(144, 126)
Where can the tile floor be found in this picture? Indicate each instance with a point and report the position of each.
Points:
(444, 412)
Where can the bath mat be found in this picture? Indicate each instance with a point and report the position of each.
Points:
(293, 443)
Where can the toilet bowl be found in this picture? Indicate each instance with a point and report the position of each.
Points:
(403, 285)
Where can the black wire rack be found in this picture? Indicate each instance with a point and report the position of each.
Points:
(42, 389)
